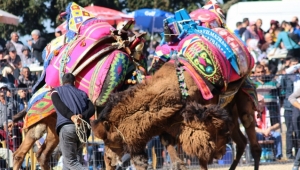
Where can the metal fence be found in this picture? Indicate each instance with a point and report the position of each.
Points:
(93, 151)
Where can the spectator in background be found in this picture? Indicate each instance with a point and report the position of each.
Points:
(14, 59)
(250, 33)
(293, 100)
(57, 32)
(269, 44)
(283, 25)
(292, 47)
(26, 78)
(26, 58)
(260, 32)
(37, 44)
(264, 130)
(244, 26)
(295, 20)
(14, 134)
(6, 104)
(270, 90)
(14, 42)
(273, 26)
(8, 73)
(287, 85)
(238, 27)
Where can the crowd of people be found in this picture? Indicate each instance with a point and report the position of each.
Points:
(276, 52)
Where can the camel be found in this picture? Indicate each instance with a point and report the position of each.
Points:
(132, 117)
(160, 96)
(101, 58)
(237, 105)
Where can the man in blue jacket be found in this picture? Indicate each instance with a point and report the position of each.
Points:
(70, 102)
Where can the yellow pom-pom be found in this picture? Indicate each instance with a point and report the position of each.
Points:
(129, 81)
(133, 81)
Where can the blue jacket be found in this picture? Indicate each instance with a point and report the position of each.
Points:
(287, 41)
(73, 101)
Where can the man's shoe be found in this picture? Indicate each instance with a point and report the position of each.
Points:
(295, 168)
(291, 158)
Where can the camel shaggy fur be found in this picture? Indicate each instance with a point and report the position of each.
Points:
(132, 117)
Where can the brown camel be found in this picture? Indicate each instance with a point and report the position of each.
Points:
(161, 96)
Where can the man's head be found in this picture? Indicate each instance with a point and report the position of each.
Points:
(268, 38)
(295, 20)
(259, 71)
(246, 21)
(35, 34)
(238, 25)
(25, 50)
(68, 78)
(12, 53)
(14, 37)
(25, 72)
(294, 61)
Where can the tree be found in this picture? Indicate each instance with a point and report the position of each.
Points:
(33, 13)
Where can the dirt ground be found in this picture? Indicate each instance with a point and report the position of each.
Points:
(261, 167)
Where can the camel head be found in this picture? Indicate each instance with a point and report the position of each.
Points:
(211, 121)
(106, 131)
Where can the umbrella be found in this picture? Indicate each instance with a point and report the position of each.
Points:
(8, 18)
(111, 16)
(150, 19)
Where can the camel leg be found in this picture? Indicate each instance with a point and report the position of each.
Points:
(168, 141)
(25, 146)
(203, 165)
(140, 160)
(51, 142)
(238, 137)
(110, 159)
(246, 114)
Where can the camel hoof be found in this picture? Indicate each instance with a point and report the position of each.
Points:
(179, 166)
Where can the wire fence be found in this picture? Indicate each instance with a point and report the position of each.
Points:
(280, 147)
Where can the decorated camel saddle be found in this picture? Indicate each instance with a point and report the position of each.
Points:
(212, 55)
(100, 57)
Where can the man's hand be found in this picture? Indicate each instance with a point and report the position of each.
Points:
(75, 120)
(267, 132)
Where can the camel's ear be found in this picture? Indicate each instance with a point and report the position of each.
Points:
(106, 125)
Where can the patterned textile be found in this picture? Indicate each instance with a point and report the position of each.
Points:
(250, 89)
(206, 59)
(77, 16)
(202, 86)
(116, 70)
(39, 110)
(214, 6)
(38, 95)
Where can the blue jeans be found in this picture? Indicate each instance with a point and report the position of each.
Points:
(276, 136)
(70, 147)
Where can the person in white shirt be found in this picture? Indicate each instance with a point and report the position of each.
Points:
(14, 42)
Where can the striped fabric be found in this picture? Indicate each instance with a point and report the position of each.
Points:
(269, 89)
